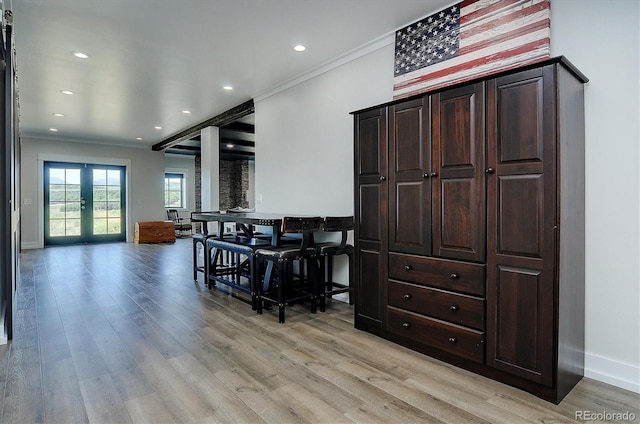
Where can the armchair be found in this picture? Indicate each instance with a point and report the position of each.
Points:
(181, 225)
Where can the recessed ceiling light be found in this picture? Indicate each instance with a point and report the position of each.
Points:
(228, 87)
(229, 145)
(81, 55)
(53, 129)
(299, 48)
(69, 92)
(58, 114)
(158, 127)
(186, 112)
(139, 138)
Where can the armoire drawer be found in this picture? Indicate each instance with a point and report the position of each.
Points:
(460, 341)
(459, 276)
(457, 308)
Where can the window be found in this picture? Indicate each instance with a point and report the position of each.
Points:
(174, 190)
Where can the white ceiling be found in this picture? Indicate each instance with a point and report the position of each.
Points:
(150, 59)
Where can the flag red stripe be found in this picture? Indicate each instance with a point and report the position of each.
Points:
(501, 37)
(477, 62)
(485, 10)
(467, 78)
(510, 17)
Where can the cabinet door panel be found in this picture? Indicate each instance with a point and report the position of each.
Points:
(409, 231)
(409, 155)
(459, 220)
(522, 326)
(369, 287)
(520, 134)
(409, 189)
(371, 217)
(370, 224)
(521, 216)
(369, 159)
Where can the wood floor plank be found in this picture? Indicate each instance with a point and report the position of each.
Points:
(178, 396)
(119, 332)
(63, 402)
(149, 409)
(432, 408)
(23, 401)
(369, 396)
(131, 382)
(473, 401)
(227, 406)
(87, 360)
(102, 401)
(259, 398)
(308, 405)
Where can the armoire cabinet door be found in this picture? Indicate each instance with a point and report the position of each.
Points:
(409, 178)
(370, 216)
(521, 222)
(459, 220)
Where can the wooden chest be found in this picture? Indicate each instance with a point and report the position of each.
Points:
(154, 232)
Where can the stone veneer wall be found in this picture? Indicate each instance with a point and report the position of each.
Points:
(198, 187)
(234, 183)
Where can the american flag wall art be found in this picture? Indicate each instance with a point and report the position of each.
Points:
(470, 39)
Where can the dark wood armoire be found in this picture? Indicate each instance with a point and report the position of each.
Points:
(469, 206)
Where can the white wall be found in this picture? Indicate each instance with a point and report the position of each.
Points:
(184, 164)
(145, 185)
(304, 161)
(603, 40)
(304, 137)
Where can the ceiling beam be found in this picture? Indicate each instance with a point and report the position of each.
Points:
(225, 141)
(189, 148)
(240, 127)
(225, 118)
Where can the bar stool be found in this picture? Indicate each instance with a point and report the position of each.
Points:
(329, 250)
(232, 272)
(286, 289)
(199, 240)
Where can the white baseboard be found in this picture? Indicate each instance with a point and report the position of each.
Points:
(30, 245)
(607, 370)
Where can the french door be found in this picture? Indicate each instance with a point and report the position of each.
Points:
(83, 203)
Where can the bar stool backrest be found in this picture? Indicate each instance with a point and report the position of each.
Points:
(302, 225)
(343, 224)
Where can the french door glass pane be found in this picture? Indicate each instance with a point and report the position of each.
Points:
(64, 202)
(106, 201)
(72, 227)
(113, 177)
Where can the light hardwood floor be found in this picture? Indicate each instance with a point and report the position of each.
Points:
(120, 333)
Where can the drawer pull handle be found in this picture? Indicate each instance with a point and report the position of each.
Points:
(454, 276)
(452, 340)
(454, 308)
(406, 324)
(408, 267)
(407, 296)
